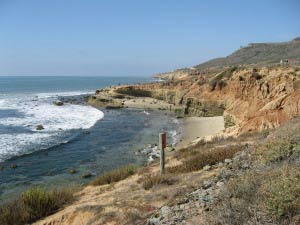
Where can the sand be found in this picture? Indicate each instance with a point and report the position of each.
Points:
(195, 128)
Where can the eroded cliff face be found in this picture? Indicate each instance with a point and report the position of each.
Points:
(249, 99)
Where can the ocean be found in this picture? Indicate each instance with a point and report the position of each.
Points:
(75, 135)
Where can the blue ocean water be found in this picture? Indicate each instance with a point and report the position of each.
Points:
(78, 136)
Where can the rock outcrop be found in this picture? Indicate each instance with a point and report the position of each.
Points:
(250, 99)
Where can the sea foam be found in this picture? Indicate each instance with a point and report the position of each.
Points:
(59, 122)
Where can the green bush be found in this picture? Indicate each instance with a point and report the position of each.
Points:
(115, 175)
(281, 194)
(282, 147)
(33, 204)
(212, 85)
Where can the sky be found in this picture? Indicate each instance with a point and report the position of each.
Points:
(133, 37)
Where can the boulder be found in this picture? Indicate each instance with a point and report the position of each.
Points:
(58, 103)
(113, 107)
(207, 184)
(227, 161)
(13, 166)
(207, 168)
(72, 171)
(165, 210)
(86, 175)
(40, 127)
(154, 221)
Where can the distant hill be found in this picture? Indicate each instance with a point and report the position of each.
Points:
(257, 53)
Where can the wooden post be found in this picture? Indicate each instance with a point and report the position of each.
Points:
(162, 146)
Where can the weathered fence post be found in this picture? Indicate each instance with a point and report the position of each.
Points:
(162, 146)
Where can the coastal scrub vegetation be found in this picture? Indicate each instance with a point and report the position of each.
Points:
(272, 194)
(217, 81)
(269, 193)
(114, 175)
(157, 179)
(196, 160)
(34, 204)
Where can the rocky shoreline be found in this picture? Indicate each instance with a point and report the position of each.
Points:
(197, 188)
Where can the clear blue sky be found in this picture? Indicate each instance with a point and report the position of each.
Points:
(133, 37)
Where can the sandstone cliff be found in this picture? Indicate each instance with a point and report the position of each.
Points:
(250, 98)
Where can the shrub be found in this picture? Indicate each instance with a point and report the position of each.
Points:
(212, 85)
(114, 176)
(225, 74)
(200, 159)
(34, 204)
(221, 84)
(281, 194)
(284, 144)
(273, 193)
(153, 180)
(256, 76)
(254, 134)
(238, 201)
(132, 91)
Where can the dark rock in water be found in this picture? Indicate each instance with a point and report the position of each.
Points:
(72, 171)
(113, 107)
(13, 166)
(49, 173)
(40, 127)
(86, 175)
(1, 167)
(58, 103)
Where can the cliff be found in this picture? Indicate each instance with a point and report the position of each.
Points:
(250, 99)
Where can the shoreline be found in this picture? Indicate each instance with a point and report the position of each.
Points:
(80, 168)
(196, 128)
(190, 126)
(191, 130)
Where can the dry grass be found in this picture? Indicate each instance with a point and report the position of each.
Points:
(196, 160)
(254, 134)
(114, 176)
(34, 204)
(153, 180)
(203, 145)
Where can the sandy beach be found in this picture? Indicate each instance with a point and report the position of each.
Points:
(199, 127)
(193, 128)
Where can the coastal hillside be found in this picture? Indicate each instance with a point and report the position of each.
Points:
(246, 175)
(258, 54)
(250, 99)
(254, 54)
(252, 179)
